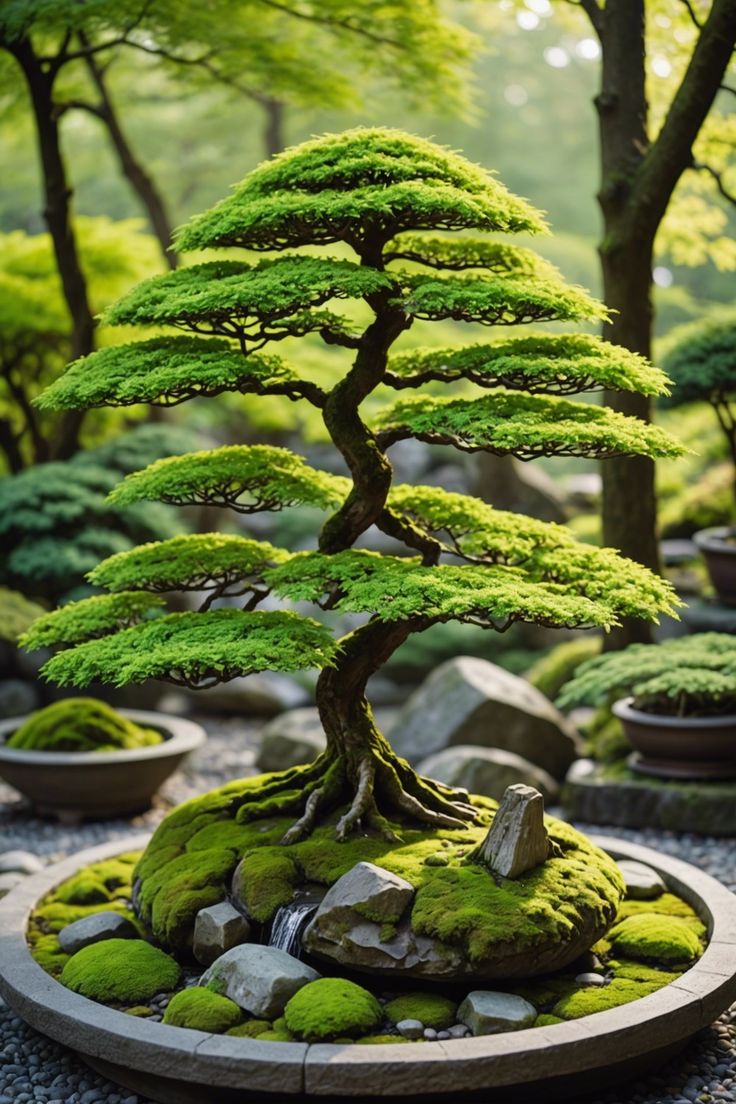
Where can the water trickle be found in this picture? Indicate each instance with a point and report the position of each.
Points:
(288, 924)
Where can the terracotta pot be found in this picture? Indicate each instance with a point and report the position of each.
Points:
(718, 547)
(93, 784)
(679, 747)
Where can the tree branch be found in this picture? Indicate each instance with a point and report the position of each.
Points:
(692, 13)
(339, 24)
(718, 177)
(593, 12)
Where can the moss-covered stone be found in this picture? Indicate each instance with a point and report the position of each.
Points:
(251, 1029)
(546, 1019)
(196, 848)
(202, 1010)
(367, 1040)
(139, 1010)
(81, 724)
(651, 936)
(275, 1037)
(431, 1009)
(120, 970)
(331, 1007)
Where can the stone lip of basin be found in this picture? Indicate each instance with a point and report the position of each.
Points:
(180, 1066)
(96, 784)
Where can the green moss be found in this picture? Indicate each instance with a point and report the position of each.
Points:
(251, 1029)
(48, 954)
(546, 1019)
(141, 1010)
(171, 898)
(639, 971)
(605, 737)
(550, 673)
(125, 970)
(653, 936)
(202, 1010)
(585, 1002)
(367, 1040)
(97, 884)
(275, 1037)
(266, 880)
(330, 1007)
(81, 724)
(431, 1009)
(665, 905)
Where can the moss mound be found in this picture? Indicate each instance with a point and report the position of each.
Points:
(368, 1039)
(124, 970)
(251, 1029)
(331, 1007)
(81, 724)
(195, 850)
(652, 936)
(431, 1009)
(620, 990)
(202, 1010)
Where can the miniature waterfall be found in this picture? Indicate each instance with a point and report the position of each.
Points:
(288, 924)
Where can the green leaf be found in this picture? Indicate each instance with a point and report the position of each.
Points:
(197, 649)
(544, 363)
(198, 561)
(395, 589)
(163, 371)
(330, 188)
(527, 426)
(245, 478)
(90, 618)
(498, 301)
(227, 293)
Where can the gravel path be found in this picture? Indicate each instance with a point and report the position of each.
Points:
(34, 1069)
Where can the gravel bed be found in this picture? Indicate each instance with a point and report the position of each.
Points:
(32, 1068)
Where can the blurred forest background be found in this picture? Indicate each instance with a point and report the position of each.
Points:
(148, 114)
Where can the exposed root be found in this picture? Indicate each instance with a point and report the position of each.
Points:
(306, 823)
(363, 800)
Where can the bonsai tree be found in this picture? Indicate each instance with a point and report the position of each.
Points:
(382, 196)
(688, 676)
(701, 361)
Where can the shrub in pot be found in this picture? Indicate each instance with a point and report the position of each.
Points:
(701, 361)
(676, 701)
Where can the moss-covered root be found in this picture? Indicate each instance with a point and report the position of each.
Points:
(376, 784)
(331, 1008)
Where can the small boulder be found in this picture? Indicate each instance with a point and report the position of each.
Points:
(487, 1012)
(642, 882)
(261, 980)
(487, 771)
(93, 929)
(217, 929)
(293, 738)
(471, 701)
(375, 893)
(19, 862)
(17, 698)
(590, 979)
(517, 840)
(261, 695)
(8, 881)
(411, 1029)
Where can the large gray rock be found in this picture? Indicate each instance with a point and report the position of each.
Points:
(217, 929)
(19, 862)
(487, 771)
(368, 889)
(487, 1012)
(292, 738)
(517, 840)
(471, 701)
(94, 929)
(261, 980)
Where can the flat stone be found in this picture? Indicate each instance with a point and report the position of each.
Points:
(7, 881)
(292, 738)
(217, 929)
(642, 883)
(487, 1012)
(410, 1029)
(93, 929)
(590, 980)
(379, 893)
(517, 840)
(471, 701)
(19, 862)
(429, 1032)
(487, 771)
(261, 980)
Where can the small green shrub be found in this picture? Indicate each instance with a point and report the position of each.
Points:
(81, 724)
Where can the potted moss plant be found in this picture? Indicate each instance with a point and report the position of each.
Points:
(701, 361)
(79, 757)
(676, 701)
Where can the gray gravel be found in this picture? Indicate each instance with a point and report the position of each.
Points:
(32, 1068)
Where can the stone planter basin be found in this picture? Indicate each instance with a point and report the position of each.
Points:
(679, 747)
(92, 784)
(718, 549)
(180, 1066)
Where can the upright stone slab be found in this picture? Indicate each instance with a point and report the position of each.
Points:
(517, 840)
(471, 701)
(217, 929)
